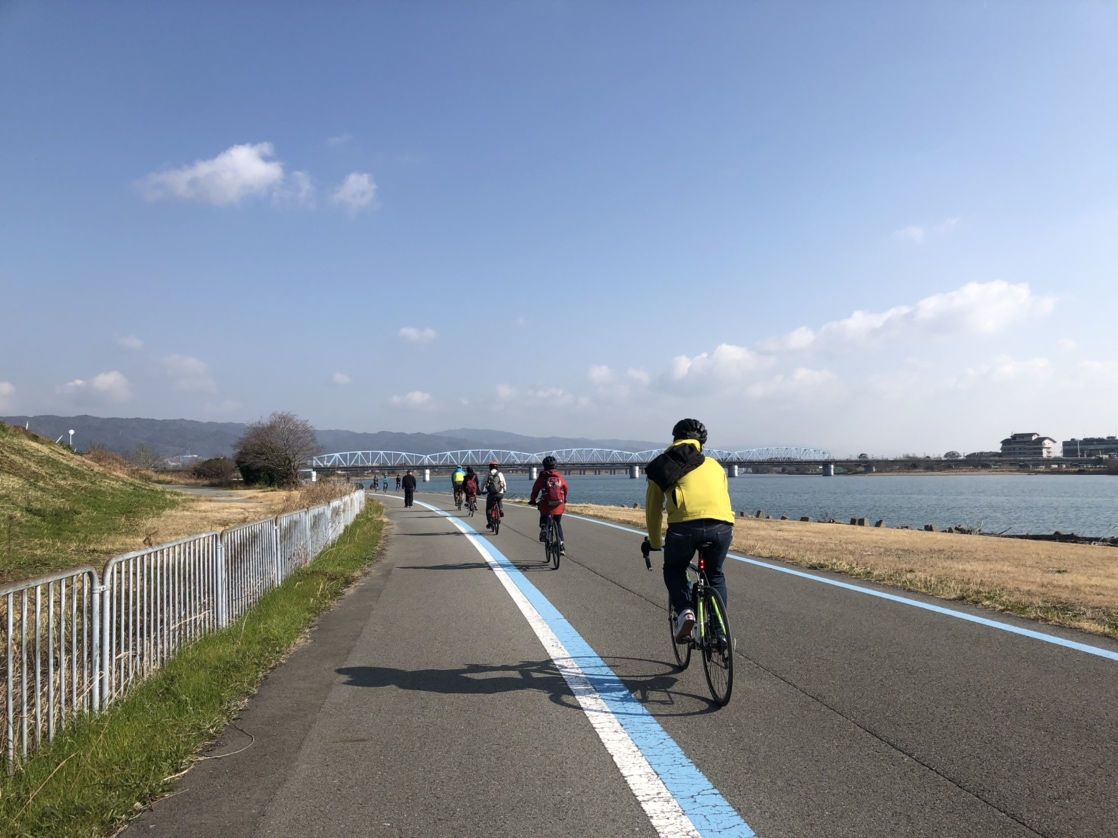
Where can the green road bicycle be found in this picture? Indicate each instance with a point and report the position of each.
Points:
(711, 635)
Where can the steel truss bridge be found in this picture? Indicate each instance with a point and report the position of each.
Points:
(565, 456)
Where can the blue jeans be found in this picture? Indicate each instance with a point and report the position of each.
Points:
(680, 544)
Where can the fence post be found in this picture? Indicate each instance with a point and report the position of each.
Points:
(222, 597)
(277, 559)
(100, 642)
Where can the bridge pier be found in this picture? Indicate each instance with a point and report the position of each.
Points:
(732, 470)
(534, 472)
(426, 475)
(634, 472)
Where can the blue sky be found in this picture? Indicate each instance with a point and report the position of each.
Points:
(878, 227)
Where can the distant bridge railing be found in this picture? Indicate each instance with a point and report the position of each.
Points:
(569, 456)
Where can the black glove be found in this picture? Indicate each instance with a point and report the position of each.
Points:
(646, 548)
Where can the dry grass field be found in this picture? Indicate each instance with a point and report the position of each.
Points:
(1073, 585)
(205, 513)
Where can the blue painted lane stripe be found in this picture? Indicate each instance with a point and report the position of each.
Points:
(938, 609)
(700, 801)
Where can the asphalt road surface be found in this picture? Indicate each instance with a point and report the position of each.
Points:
(465, 688)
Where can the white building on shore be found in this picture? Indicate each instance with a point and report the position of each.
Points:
(1028, 445)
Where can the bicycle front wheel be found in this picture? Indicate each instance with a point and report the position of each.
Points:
(681, 651)
(717, 647)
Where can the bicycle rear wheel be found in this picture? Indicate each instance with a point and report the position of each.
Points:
(681, 651)
(717, 646)
(495, 519)
(553, 542)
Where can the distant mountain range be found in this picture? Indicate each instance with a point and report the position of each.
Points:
(176, 437)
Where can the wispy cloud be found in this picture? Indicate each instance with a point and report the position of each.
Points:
(340, 140)
(975, 309)
(799, 382)
(340, 378)
(187, 373)
(357, 192)
(1004, 368)
(108, 386)
(7, 390)
(413, 335)
(237, 173)
(130, 342)
(918, 234)
(415, 400)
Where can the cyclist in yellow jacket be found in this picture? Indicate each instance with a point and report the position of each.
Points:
(697, 494)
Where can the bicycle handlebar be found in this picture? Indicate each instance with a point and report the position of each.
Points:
(646, 549)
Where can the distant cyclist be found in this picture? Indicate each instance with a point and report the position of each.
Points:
(551, 489)
(470, 487)
(456, 483)
(697, 495)
(494, 491)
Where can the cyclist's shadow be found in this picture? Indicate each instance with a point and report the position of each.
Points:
(656, 691)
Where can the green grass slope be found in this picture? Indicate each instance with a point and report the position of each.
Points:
(60, 511)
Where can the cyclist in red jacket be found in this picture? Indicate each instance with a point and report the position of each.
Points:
(551, 489)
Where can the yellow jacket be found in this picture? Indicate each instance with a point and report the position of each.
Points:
(702, 493)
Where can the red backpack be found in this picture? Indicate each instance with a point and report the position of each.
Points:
(553, 491)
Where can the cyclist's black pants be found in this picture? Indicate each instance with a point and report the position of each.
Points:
(680, 543)
(558, 524)
(490, 500)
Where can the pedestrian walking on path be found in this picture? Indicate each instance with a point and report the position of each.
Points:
(409, 488)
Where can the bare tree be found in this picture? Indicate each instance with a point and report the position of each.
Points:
(272, 451)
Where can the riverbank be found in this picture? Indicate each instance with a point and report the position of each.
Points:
(1070, 585)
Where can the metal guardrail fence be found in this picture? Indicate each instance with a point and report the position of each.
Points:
(74, 642)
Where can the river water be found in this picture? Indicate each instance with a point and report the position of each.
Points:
(995, 503)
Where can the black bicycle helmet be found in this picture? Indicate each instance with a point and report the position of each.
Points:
(549, 462)
(690, 429)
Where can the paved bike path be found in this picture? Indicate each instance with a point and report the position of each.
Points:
(422, 705)
(851, 716)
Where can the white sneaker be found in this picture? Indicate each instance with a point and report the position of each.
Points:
(683, 625)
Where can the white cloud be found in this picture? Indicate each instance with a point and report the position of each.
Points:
(413, 335)
(725, 365)
(356, 192)
(341, 378)
(109, 386)
(131, 343)
(1067, 345)
(187, 373)
(912, 233)
(918, 234)
(7, 390)
(800, 382)
(415, 400)
(615, 387)
(339, 140)
(296, 190)
(600, 375)
(977, 308)
(1005, 369)
(514, 397)
(1099, 372)
(238, 172)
